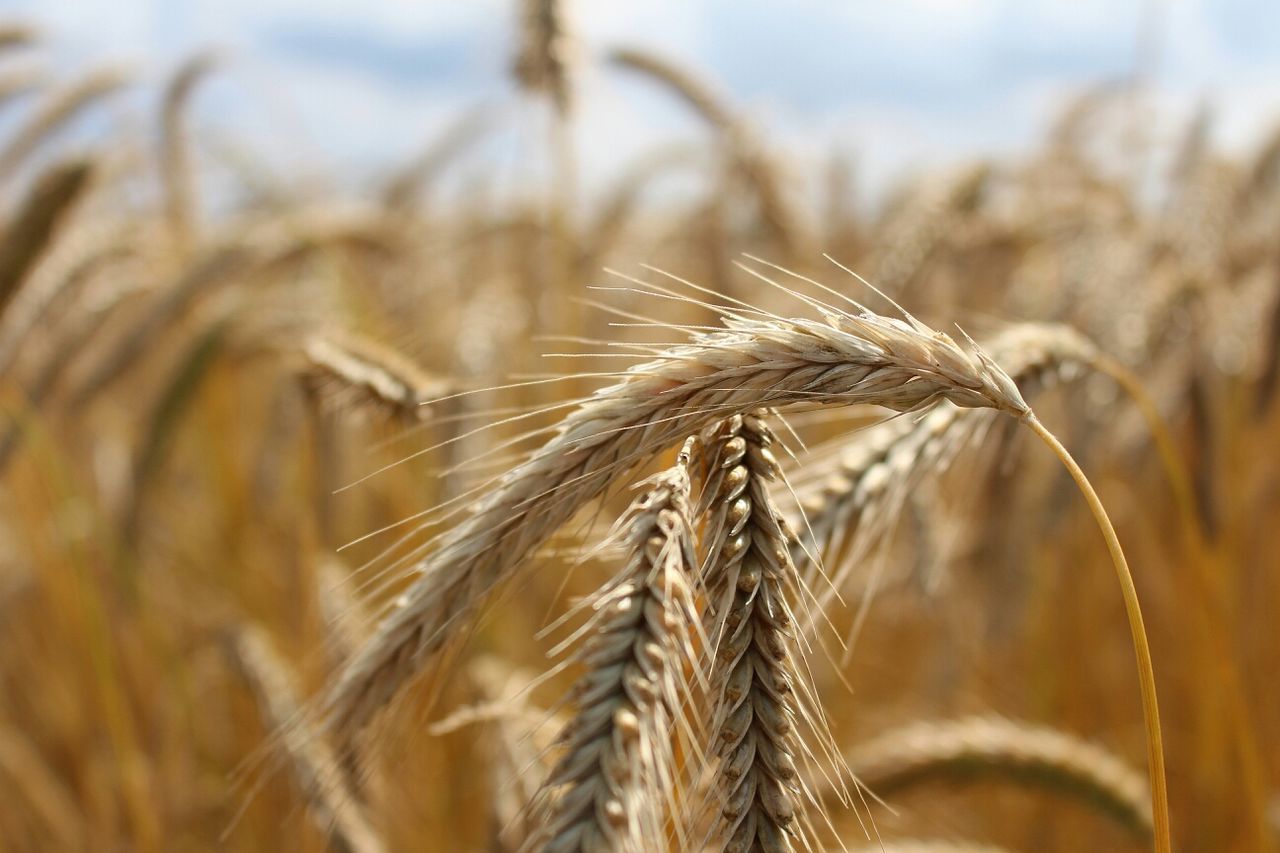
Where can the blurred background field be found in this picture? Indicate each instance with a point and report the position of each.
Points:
(204, 202)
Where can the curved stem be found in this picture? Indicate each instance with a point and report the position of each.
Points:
(1146, 673)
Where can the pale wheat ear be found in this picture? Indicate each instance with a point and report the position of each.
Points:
(994, 748)
(1141, 648)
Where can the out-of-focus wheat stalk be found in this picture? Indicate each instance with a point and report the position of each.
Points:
(333, 807)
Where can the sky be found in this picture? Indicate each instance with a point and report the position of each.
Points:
(334, 87)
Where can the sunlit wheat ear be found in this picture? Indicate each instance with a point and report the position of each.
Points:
(616, 779)
(992, 747)
(354, 372)
(756, 700)
(57, 109)
(857, 486)
(759, 360)
(181, 200)
(330, 803)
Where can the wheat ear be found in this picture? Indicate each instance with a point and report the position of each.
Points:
(996, 747)
(757, 361)
(355, 371)
(755, 709)
(618, 767)
(879, 465)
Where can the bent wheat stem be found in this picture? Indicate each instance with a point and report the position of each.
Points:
(1141, 648)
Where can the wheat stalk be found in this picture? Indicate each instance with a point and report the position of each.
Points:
(618, 767)
(996, 747)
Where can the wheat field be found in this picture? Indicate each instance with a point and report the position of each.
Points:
(572, 519)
